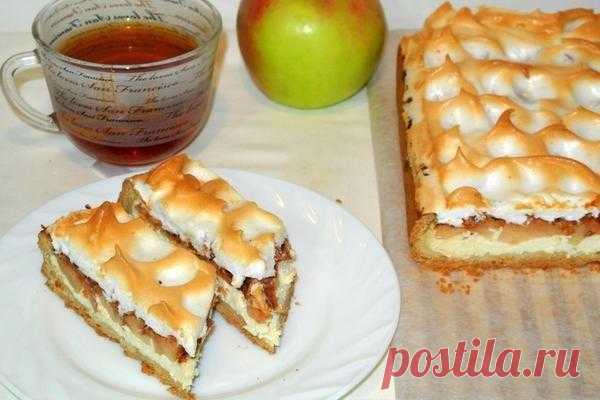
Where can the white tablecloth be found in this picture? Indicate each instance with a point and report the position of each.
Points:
(329, 151)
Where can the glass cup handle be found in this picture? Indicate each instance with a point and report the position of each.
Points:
(10, 68)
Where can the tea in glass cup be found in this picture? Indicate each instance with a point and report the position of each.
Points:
(130, 81)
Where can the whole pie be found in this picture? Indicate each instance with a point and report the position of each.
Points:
(502, 117)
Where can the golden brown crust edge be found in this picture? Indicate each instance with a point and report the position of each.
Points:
(148, 366)
(418, 224)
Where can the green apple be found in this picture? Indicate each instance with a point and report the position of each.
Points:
(310, 53)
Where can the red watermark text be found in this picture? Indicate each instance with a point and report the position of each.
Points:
(478, 359)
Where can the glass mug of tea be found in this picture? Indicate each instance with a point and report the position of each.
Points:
(129, 80)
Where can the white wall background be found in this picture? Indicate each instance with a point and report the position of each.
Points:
(16, 15)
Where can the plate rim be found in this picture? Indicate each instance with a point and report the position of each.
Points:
(397, 292)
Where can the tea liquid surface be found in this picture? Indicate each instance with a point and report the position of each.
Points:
(127, 43)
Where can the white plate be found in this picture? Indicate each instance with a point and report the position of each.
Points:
(345, 311)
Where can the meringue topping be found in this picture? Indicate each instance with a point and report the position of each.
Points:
(194, 203)
(566, 38)
(166, 286)
(505, 114)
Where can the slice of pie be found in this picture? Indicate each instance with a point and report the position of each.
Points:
(249, 246)
(502, 116)
(132, 285)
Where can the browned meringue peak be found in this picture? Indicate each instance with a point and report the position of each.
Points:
(169, 288)
(504, 176)
(482, 47)
(526, 120)
(450, 142)
(441, 17)
(571, 52)
(100, 229)
(528, 84)
(445, 82)
(582, 25)
(464, 24)
(208, 212)
(584, 123)
(463, 111)
(544, 89)
(472, 35)
(505, 140)
(536, 23)
(560, 141)
(466, 196)
(518, 46)
(459, 172)
(442, 44)
(493, 33)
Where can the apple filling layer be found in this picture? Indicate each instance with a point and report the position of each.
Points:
(259, 308)
(497, 229)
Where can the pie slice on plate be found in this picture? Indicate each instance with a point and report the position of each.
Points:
(249, 245)
(134, 286)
